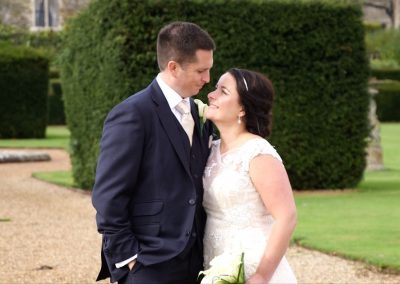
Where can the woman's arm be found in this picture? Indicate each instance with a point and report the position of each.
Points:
(271, 181)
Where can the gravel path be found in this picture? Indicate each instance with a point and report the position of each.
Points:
(48, 235)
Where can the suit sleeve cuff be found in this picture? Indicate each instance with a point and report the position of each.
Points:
(125, 262)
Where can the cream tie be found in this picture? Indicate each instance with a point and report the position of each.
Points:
(187, 121)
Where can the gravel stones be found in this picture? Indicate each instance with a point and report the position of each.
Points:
(48, 235)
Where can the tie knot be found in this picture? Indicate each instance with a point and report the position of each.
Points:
(182, 107)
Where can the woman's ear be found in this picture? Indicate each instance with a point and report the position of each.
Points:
(242, 112)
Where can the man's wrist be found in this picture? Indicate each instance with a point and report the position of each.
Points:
(125, 262)
(131, 264)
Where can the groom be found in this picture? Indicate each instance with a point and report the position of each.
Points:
(148, 189)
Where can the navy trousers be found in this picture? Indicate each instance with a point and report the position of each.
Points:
(179, 270)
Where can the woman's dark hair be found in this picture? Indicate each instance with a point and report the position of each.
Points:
(256, 95)
(179, 41)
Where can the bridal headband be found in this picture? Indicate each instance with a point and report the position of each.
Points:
(244, 80)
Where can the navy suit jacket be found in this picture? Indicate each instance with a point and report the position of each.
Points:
(148, 188)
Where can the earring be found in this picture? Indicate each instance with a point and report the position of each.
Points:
(239, 120)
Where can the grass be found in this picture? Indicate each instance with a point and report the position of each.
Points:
(56, 137)
(362, 224)
(63, 178)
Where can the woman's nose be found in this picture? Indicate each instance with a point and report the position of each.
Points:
(211, 95)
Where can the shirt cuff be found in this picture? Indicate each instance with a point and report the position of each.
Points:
(125, 262)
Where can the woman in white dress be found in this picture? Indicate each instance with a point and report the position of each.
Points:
(247, 193)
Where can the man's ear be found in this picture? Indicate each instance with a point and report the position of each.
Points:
(172, 67)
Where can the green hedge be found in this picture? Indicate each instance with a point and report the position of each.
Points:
(48, 42)
(383, 74)
(373, 26)
(388, 101)
(313, 52)
(383, 46)
(56, 115)
(23, 92)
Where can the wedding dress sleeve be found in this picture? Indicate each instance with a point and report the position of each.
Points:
(255, 148)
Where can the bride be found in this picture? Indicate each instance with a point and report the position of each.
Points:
(247, 193)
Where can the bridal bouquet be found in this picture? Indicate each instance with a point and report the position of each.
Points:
(225, 269)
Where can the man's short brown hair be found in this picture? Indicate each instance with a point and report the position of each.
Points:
(179, 41)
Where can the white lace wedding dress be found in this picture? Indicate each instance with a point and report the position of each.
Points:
(237, 220)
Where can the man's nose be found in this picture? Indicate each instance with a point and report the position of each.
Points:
(206, 77)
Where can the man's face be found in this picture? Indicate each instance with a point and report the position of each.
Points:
(191, 77)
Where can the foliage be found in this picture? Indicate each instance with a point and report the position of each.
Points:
(49, 42)
(56, 115)
(365, 228)
(388, 101)
(373, 26)
(23, 96)
(383, 46)
(314, 53)
(56, 137)
(386, 73)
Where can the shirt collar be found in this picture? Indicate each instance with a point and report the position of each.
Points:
(173, 98)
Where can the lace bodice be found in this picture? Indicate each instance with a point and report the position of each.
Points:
(237, 220)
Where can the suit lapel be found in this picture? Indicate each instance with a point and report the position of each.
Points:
(170, 125)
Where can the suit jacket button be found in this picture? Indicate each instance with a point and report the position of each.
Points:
(192, 201)
(194, 234)
(187, 233)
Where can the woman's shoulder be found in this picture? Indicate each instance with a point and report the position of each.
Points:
(257, 145)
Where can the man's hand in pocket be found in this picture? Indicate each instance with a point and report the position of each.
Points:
(131, 264)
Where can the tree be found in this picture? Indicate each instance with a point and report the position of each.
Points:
(70, 7)
(391, 7)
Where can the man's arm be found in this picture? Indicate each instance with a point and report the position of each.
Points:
(116, 175)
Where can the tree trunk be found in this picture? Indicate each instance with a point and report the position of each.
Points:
(396, 13)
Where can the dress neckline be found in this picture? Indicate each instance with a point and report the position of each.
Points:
(220, 155)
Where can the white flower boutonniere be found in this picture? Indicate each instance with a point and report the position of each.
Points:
(202, 109)
(225, 269)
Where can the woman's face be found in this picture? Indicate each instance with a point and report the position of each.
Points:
(224, 106)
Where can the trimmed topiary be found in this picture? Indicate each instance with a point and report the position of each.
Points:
(24, 77)
(313, 52)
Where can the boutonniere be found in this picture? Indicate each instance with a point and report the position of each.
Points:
(202, 109)
(225, 269)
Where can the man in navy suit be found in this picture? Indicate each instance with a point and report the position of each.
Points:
(148, 189)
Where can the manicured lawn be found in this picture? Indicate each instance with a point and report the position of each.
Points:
(63, 178)
(56, 137)
(363, 224)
